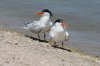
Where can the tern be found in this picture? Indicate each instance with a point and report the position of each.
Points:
(58, 32)
(41, 26)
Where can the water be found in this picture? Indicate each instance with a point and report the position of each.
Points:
(83, 17)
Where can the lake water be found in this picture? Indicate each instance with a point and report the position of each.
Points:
(83, 17)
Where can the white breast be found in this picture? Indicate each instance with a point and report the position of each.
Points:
(43, 25)
(57, 33)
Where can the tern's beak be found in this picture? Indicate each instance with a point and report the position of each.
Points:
(39, 12)
(64, 24)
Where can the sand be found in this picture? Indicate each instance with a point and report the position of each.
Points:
(18, 50)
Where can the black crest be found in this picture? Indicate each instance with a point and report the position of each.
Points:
(46, 10)
(58, 20)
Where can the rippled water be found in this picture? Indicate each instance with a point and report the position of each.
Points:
(83, 17)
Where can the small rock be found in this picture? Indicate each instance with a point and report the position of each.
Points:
(6, 61)
(16, 43)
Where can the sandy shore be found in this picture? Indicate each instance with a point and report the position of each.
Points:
(18, 50)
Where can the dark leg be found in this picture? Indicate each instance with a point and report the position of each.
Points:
(44, 36)
(55, 45)
(39, 36)
(62, 44)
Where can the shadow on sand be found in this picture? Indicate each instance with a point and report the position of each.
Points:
(62, 48)
(47, 42)
(37, 39)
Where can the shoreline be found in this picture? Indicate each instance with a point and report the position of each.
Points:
(16, 50)
(68, 47)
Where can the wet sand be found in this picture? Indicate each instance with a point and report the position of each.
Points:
(18, 50)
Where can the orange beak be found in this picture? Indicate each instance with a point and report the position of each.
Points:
(39, 12)
(64, 25)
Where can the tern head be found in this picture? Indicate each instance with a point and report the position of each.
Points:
(58, 20)
(45, 12)
(62, 23)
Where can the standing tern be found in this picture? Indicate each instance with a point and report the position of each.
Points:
(58, 32)
(41, 26)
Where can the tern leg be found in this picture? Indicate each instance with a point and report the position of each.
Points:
(39, 36)
(55, 45)
(44, 36)
(62, 44)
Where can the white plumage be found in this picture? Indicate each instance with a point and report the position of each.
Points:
(41, 26)
(58, 32)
